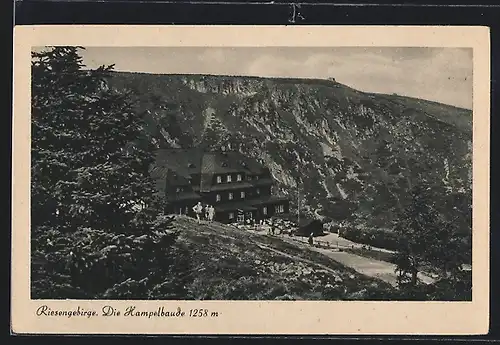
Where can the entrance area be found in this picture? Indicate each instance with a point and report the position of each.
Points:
(244, 216)
(235, 213)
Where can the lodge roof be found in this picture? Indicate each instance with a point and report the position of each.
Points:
(183, 161)
(178, 165)
(198, 160)
(171, 176)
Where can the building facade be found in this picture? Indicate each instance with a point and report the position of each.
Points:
(239, 188)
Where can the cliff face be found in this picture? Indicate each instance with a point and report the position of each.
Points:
(350, 153)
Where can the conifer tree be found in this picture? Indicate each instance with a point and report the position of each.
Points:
(96, 223)
(428, 241)
(215, 135)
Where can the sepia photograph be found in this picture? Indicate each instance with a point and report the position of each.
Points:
(249, 173)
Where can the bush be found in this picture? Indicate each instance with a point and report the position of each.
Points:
(373, 254)
(376, 238)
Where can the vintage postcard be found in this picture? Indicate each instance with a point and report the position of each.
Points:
(250, 180)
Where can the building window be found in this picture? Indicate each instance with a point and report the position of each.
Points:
(217, 197)
(249, 178)
(242, 195)
(264, 210)
(241, 218)
(257, 191)
(238, 177)
(230, 196)
(231, 215)
(219, 179)
(280, 209)
(228, 178)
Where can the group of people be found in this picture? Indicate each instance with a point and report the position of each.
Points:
(208, 212)
(272, 228)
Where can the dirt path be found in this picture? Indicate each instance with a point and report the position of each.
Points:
(334, 238)
(370, 267)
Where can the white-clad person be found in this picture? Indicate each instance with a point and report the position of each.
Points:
(207, 212)
(211, 213)
(198, 208)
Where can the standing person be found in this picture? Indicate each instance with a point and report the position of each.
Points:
(311, 241)
(211, 213)
(198, 208)
(207, 211)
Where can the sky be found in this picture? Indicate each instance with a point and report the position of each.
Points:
(438, 74)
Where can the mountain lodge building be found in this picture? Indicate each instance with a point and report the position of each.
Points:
(239, 187)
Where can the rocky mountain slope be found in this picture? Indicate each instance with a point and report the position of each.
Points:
(352, 155)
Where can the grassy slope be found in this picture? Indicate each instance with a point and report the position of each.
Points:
(238, 265)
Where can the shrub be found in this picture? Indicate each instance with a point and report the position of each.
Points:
(376, 238)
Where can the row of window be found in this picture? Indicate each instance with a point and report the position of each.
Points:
(218, 197)
(277, 209)
(229, 178)
(239, 177)
(230, 196)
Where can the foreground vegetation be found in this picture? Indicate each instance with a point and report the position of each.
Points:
(97, 229)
